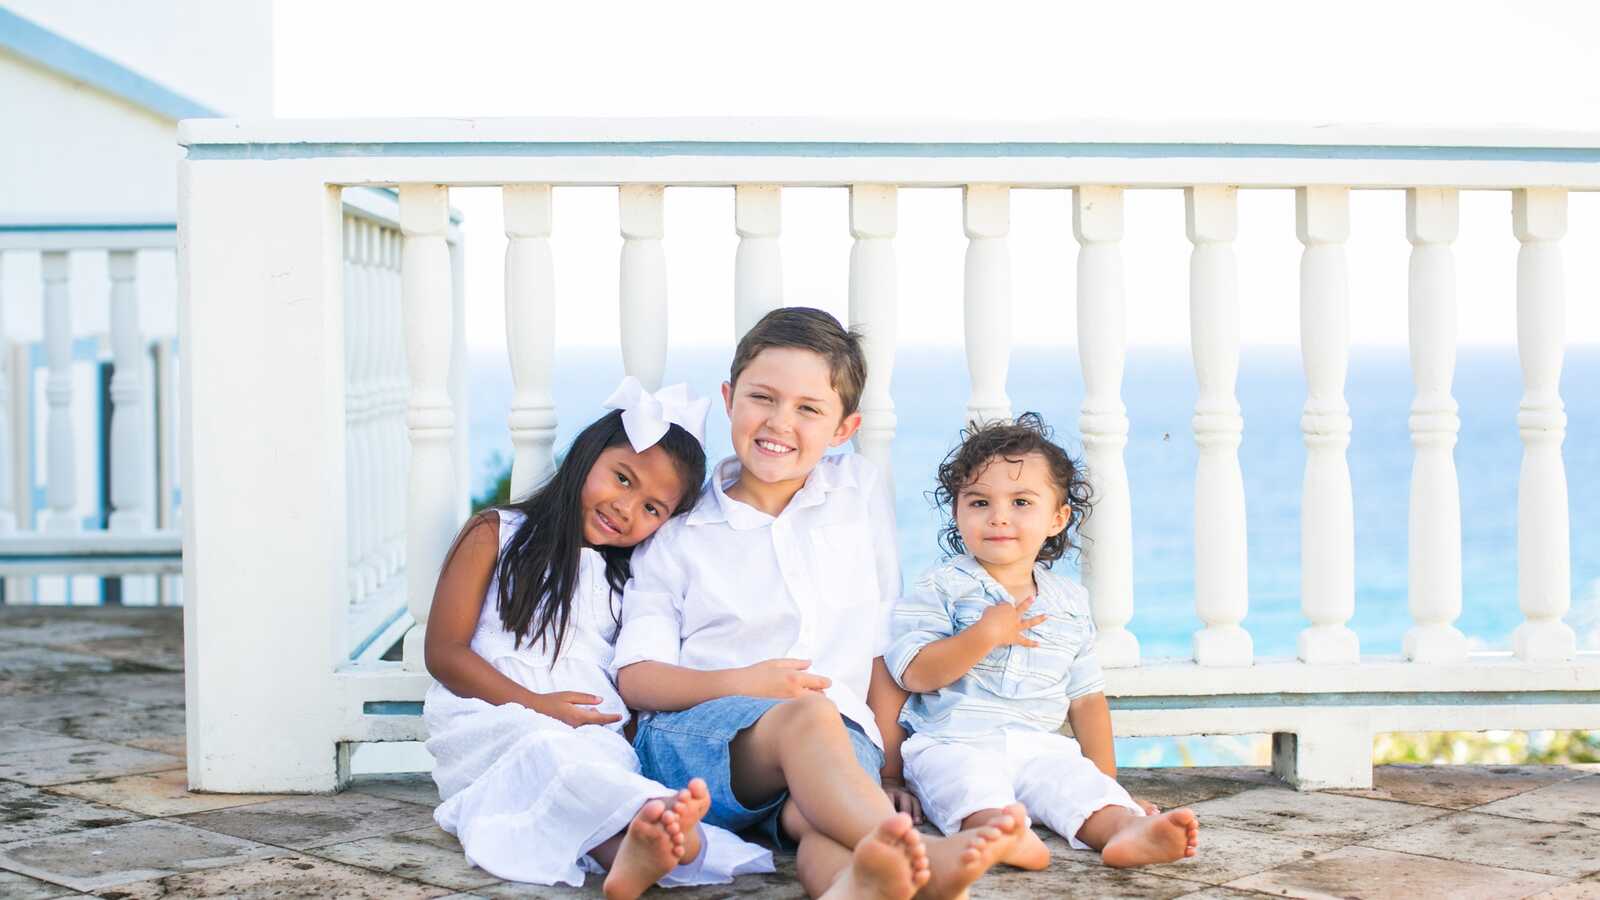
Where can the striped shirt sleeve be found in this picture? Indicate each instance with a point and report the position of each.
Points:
(919, 618)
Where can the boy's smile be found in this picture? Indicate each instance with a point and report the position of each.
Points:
(785, 413)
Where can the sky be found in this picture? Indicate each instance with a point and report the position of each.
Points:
(1479, 64)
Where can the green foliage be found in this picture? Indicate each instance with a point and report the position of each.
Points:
(498, 493)
(1488, 747)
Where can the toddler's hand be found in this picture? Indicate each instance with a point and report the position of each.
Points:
(784, 679)
(1004, 623)
(902, 798)
(571, 707)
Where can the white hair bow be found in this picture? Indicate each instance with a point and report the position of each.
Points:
(646, 416)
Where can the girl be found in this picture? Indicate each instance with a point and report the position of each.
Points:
(536, 778)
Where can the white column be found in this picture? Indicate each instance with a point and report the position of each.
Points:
(758, 263)
(1327, 514)
(8, 510)
(369, 340)
(986, 216)
(1434, 520)
(874, 312)
(1544, 565)
(431, 508)
(1221, 585)
(643, 284)
(130, 471)
(1102, 338)
(530, 334)
(356, 499)
(61, 470)
(393, 435)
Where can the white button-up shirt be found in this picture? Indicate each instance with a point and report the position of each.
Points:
(727, 585)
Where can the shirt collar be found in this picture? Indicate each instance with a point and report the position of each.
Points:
(969, 565)
(716, 506)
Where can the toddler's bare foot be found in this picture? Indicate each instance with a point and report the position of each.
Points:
(1029, 852)
(689, 806)
(891, 863)
(962, 858)
(1164, 838)
(651, 847)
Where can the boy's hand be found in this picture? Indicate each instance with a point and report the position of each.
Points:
(1004, 623)
(571, 707)
(783, 679)
(902, 798)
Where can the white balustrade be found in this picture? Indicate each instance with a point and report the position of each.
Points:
(369, 362)
(1327, 510)
(874, 312)
(643, 284)
(396, 390)
(130, 473)
(1107, 534)
(986, 217)
(1544, 565)
(1434, 520)
(530, 334)
(354, 495)
(431, 508)
(8, 509)
(61, 488)
(758, 263)
(1221, 585)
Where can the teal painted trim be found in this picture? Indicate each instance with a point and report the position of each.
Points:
(1358, 698)
(59, 54)
(61, 228)
(391, 708)
(377, 633)
(844, 150)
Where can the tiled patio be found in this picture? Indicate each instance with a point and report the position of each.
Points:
(92, 800)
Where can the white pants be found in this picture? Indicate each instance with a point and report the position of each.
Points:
(1044, 771)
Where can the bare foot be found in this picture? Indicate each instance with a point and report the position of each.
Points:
(651, 847)
(689, 806)
(1029, 852)
(962, 858)
(888, 864)
(1168, 837)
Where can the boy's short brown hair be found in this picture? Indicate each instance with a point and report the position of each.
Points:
(809, 329)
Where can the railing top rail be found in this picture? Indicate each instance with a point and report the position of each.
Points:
(153, 234)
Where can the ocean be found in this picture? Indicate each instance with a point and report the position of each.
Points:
(930, 389)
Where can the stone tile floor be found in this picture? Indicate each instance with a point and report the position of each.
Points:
(93, 800)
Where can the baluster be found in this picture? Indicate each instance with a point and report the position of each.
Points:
(530, 334)
(130, 476)
(987, 219)
(874, 311)
(370, 335)
(352, 409)
(1434, 520)
(1544, 565)
(1221, 589)
(758, 263)
(1102, 338)
(643, 284)
(1327, 515)
(398, 390)
(8, 510)
(62, 488)
(431, 502)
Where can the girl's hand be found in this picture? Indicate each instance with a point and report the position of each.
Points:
(783, 679)
(571, 707)
(902, 798)
(1004, 623)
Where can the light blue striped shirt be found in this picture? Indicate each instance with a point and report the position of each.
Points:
(1012, 687)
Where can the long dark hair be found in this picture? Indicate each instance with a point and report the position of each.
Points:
(538, 567)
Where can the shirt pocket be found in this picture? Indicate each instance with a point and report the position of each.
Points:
(1061, 638)
(990, 671)
(843, 566)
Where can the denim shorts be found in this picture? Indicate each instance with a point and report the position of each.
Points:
(674, 747)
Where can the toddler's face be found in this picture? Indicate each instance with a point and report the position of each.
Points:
(1005, 513)
(785, 414)
(628, 495)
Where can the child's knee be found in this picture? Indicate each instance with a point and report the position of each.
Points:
(811, 711)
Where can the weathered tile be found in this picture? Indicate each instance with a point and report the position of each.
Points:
(278, 877)
(14, 738)
(21, 709)
(1586, 889)
(21, 887)
(132, 688)
(1079, 873)
(429, 855)
(160, 650)
(82, 761)
(1575, 802)
(1297, 814)
(31, 660)
(313, 821)
(1174, 787)
(1359, 872)
(176, 745)
(91, 860)
(118, 726)
(58, 631)
(1554, 849)
(1457, 787)
(1228, 853)
(157, 794)
(28, 812)
(408, 787)
(1222, 893)
(1259, 775)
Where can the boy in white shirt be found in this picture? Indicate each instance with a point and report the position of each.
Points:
(755, 627)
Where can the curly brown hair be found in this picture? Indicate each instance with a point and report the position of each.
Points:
(983, 443)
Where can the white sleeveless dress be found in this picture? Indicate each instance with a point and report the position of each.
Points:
(529, 796)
